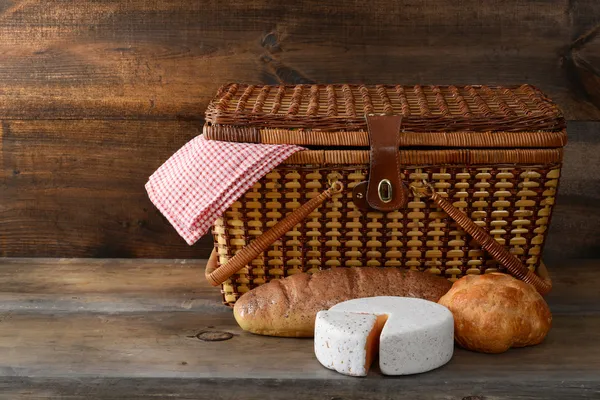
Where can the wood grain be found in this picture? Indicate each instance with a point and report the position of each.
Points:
(67, 197)
(575, 225)
(140, 285)
(309, 389)
(163, 60)
(97, 94)
(131, 347)
(163, 345)
(100, 285)
(581, 59)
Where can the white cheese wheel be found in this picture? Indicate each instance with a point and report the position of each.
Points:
(413, 335)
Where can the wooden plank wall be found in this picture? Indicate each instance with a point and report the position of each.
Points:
(95, 95)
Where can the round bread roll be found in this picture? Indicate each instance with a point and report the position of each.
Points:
(494, 312)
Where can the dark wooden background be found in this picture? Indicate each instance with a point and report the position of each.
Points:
(95, 95)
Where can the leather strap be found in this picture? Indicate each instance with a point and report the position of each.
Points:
(385, 190)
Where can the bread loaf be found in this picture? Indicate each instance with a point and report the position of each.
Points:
(288, 307)
(494, 312)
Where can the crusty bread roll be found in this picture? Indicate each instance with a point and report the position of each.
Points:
(288, 307)
(494, 312)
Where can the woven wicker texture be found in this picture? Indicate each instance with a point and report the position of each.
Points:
(529, 139)
(513, 203)
(433, 157)
(239, 112)
(493, 152)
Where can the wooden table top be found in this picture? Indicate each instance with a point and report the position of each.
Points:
(129, 329)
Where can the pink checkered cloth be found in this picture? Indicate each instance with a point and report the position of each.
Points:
(202, 179)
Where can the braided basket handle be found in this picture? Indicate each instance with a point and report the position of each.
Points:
(217, 275)
(487, 242)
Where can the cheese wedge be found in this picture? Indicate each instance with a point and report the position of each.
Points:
(408, 335)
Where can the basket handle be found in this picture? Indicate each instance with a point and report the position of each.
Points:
(217, 276)
(487, 242)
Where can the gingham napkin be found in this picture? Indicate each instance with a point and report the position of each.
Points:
(201, 180)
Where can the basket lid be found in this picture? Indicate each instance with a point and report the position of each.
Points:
(334, 115)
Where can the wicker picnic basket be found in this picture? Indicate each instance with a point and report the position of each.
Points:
(446, 179)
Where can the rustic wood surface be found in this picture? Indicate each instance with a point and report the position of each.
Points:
(145, 58)
(64, 195)
(112, 329)
(95, 95)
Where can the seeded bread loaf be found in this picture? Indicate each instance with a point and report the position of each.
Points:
(288, 307)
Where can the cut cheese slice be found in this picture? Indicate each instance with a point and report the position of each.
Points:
(347, 342)
(409, 335)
